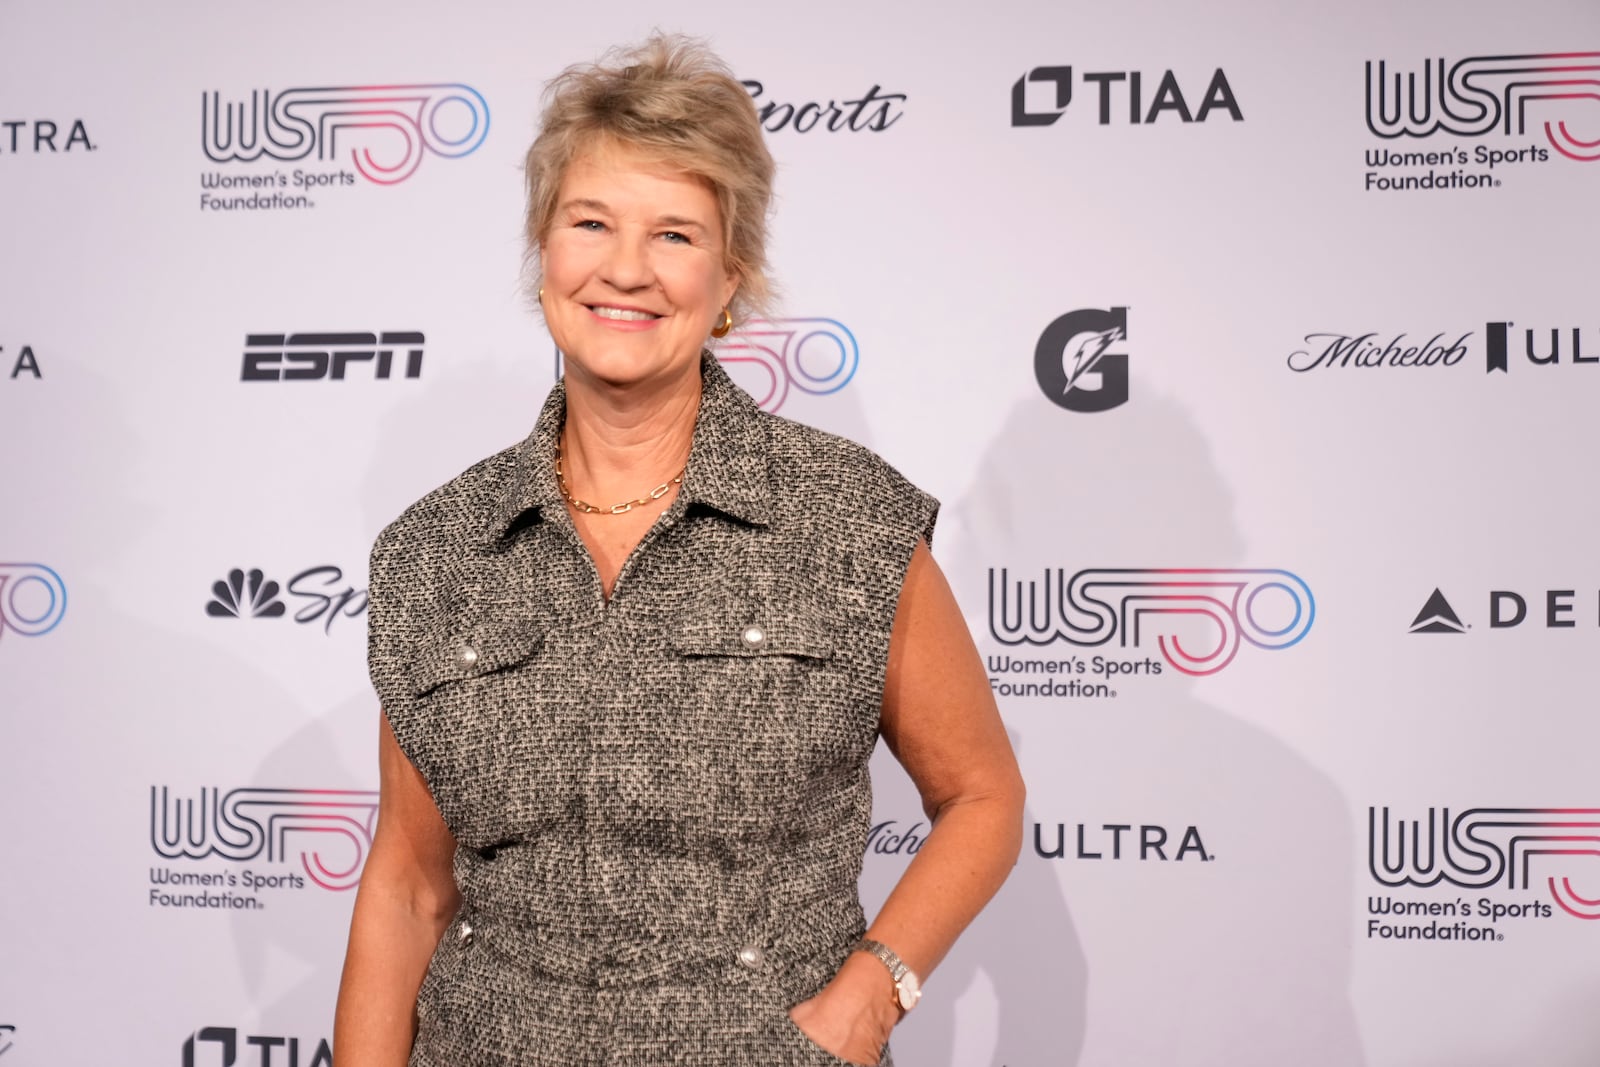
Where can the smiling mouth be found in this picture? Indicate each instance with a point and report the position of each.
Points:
(622, 314)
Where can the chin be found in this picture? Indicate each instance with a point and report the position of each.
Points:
(623, 364)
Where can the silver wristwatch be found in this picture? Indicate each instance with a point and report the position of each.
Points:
(907, 989)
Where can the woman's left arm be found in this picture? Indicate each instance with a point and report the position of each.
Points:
(939, 719)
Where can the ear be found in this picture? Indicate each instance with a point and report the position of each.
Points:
(730, 285)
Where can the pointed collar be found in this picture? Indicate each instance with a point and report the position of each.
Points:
(727, 469)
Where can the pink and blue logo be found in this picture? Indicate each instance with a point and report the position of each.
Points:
(769, 358)
(1489, 848)
(33, 599)
(1198, 618)
(328, 831)
(384, 131)
(1480, 95)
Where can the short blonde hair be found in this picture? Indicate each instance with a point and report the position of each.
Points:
(674, 100)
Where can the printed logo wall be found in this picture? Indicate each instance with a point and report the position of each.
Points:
(1271, 526)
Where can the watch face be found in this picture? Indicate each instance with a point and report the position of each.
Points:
(908, 991)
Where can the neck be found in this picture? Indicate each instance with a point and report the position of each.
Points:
(618, 438)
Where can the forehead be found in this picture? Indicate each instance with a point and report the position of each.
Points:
(628, 179)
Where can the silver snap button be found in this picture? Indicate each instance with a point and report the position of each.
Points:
(751, 956)
(466, 932)
(467, 657)
(753, 637)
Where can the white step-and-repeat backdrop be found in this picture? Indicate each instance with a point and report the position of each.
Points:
(1253, 349)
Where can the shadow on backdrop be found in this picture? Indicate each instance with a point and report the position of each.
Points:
(1240, 959)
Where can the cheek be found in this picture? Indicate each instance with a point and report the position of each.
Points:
(562, 265)
(707, 285)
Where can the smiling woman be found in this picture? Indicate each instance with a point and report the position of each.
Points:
(633, 268)
(633, 668)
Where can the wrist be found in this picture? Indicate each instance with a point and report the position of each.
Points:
(907, 986)
(865, 984)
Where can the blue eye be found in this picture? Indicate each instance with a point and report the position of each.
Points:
(592, 225)
(674, 237)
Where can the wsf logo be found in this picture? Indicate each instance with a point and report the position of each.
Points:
(407, 121)
(383, 132)
(1480, 850)
(33, 599)
(1199, 619)
(270, 826)
(1481, 95)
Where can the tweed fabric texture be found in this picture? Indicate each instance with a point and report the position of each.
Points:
(660, 801)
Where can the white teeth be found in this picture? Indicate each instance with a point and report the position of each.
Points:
(623, 314)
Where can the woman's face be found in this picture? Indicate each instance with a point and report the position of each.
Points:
(634, 277)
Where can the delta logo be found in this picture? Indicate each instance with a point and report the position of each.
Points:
(1507, 609)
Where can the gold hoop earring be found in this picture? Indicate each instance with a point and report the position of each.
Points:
(721, 330)
(541, 294)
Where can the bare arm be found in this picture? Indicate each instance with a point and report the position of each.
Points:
(406, 899)
(940, 720)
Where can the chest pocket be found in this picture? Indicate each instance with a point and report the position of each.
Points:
(481, 698)
(774, 701)
(755, 631)
(471, 652)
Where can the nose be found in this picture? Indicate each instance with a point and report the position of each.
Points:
(628, 267)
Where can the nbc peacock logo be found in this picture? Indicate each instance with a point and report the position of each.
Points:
(316, 594)
(245, 595)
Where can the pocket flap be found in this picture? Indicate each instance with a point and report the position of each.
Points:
(472, 651)
(754, 629)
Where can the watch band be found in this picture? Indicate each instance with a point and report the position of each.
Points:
(907, 987)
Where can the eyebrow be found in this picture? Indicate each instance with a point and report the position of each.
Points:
(679, 222)
(586, 204)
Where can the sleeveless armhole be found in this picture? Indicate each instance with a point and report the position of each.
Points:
(391, 644)
(907, 515)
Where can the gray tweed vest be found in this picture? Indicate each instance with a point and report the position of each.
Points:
(660, 801)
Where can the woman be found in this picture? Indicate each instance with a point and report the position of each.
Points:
(633, 668)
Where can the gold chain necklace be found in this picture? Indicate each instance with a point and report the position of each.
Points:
(616, 509)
